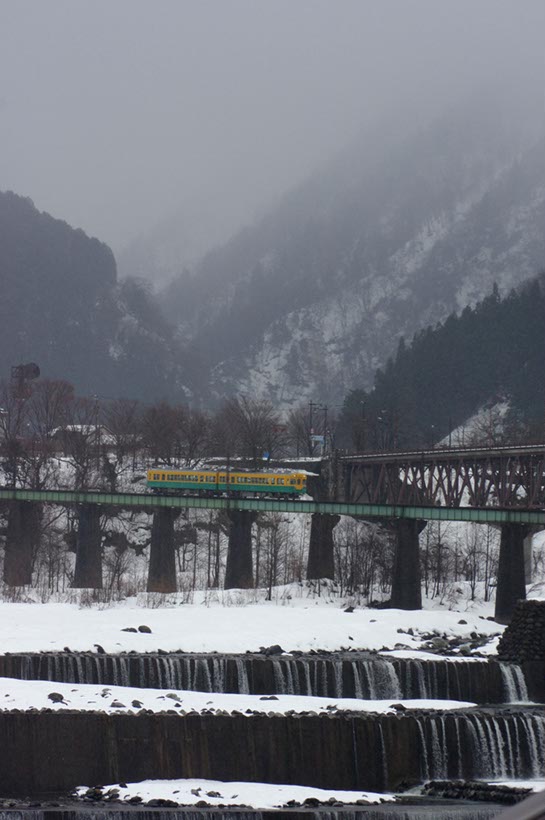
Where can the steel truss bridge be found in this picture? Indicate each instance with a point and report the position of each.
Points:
(153, 502)
(508, 478)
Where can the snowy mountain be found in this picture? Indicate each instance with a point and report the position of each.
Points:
(389, 238)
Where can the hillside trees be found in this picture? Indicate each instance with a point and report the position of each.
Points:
(494, 351)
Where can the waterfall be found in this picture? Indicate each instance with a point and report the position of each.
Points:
(506, 746)
(358, 691)
(360, 676)
(500, 746)
(202, 682)
(291, 689)
(79, 666)
(308, 685)
(383, 756)
(439, 753)
(321, 688)
(423, 750)
(381, 680)
(422, 688)
(514, 683)
(459, 752)
(218, 675)
(242, 676)
(279, 685)
(534, 741)
(338, 679)
(388, 681)
(121, 671)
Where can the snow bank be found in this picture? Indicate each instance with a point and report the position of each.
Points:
(19, 694)
(301, 624)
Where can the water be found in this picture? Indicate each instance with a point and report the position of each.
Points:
(336, 676)
(514, 683)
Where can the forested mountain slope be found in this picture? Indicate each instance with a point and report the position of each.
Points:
(63, 308)
(490, 354)
(312, 299)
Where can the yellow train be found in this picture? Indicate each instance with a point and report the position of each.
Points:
(211, 482)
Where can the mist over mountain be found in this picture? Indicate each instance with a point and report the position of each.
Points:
(63, 308)
(487, 361)
(313, 298)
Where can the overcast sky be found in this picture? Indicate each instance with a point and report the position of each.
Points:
(116, 113)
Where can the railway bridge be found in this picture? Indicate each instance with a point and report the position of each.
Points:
(469, 480)
(501, 486)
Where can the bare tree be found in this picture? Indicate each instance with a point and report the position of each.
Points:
(299, 432)
(193, 434)
(81, 443)
(159, 432)
(48, 410)
(123, 422)
(252, 428)
(13, 430)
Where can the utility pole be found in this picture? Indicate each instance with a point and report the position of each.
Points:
(311, 407)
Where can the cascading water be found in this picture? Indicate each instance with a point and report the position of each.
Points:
(484, 745)
(514, 684)
(243, 684)
(336, 676)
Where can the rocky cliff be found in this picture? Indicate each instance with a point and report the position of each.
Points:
(312, 299)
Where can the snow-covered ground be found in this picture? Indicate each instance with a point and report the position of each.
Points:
(18, 694)
(299, 618)
(234, 625)
(217, 792)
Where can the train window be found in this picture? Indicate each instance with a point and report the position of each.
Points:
(279, 480)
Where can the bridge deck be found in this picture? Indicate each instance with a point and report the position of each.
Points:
(151, 502)
(446, 454)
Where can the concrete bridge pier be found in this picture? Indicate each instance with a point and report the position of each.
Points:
(321, 561)
(406, 580)
(22, 538)
(162, 559)
(239, 571)
(511, 585)
(88, 572)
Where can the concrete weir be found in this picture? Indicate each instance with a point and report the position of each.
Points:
(56, 751)
(339, 675)
(385, 812)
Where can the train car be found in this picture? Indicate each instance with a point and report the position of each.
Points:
(210, 482)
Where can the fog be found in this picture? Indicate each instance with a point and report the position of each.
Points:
(120, 116)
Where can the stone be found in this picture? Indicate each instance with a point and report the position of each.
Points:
(145, 629)
(275, 649)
